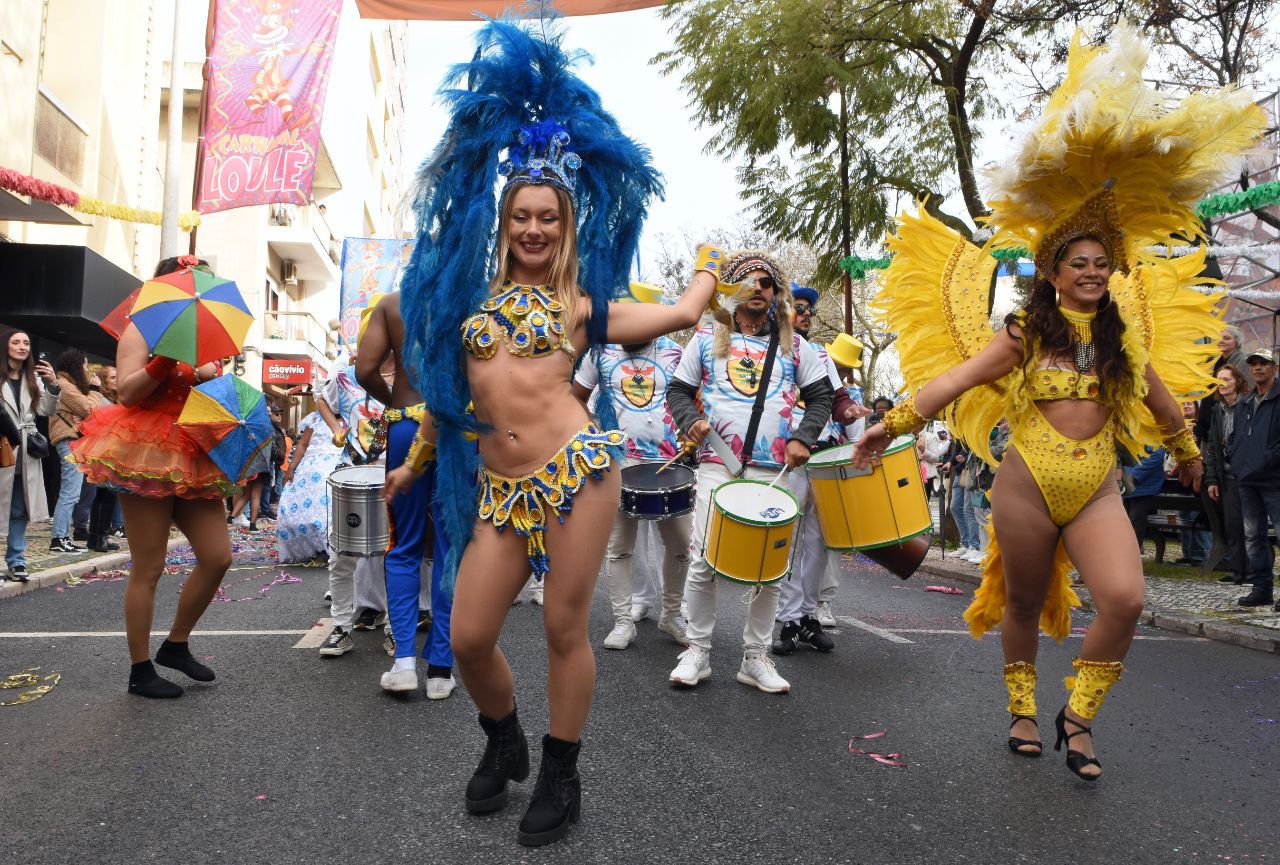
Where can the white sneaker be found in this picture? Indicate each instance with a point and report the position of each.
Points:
(622, 635)
(694, 667)
(960, 552)
(440, 689)
(241, 522)
(639, 612)
(758, 671)
(975, 556)
(400, 680)
(825, 617)
(677, 627)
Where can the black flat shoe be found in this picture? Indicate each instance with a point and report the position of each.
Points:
(1016, 745)
(1076, 760)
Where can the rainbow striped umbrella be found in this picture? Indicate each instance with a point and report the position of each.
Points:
(227, 418)
(192, 316)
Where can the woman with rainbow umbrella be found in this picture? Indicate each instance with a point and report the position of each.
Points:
(179, 323)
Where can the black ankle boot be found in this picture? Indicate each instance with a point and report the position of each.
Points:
(557, 797)
(506, 757)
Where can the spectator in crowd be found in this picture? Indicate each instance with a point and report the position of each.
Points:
(931, 447)
(954, 465)
(30, 388)
(1220, 483)
(271, 486)
(1230, 353)
(1147, 479)
(1254, 454)
(879, 406)
(107, 380)
(984, 476)
(1196, 539)
(76, 402)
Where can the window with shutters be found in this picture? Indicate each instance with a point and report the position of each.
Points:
(59, 140)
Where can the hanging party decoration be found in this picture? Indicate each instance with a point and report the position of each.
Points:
(47, 191)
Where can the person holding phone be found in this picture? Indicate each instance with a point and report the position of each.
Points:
(29, 390)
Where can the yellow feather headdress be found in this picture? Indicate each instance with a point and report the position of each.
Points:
(1114, 157)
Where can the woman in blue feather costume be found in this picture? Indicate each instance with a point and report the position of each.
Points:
(505, 291)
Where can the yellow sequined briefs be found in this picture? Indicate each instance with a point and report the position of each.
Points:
(525, 502)
(1068, 471)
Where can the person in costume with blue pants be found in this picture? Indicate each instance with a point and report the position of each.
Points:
(382, 334)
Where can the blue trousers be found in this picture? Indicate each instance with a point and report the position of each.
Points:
(962, 513)
(408, 515)
(1257, 503)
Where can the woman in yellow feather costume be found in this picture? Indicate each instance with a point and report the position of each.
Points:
(1108, 342)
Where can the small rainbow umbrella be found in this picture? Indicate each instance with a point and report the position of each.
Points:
(191, 315)
(228, 420)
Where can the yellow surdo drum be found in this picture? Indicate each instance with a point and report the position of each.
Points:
(865, 509)
(749, 531)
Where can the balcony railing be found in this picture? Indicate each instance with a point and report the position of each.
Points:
(295, 326)
(312, 217)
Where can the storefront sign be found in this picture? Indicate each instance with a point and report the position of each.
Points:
(276, 371)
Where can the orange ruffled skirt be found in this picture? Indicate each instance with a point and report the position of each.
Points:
(143, 451)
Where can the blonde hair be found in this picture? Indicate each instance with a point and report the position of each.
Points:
(738, 263)
(563, 276)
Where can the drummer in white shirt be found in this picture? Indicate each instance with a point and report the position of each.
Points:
(727, 364)
(633, 379)
(799, 596)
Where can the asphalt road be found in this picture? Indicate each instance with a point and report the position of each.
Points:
(292, 758)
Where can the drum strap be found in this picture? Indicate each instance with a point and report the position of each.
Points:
(753, 425)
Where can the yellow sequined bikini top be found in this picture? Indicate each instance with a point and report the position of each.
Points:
(1053, 382)
(526, 317)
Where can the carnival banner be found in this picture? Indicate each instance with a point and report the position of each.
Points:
(370, 265)
(268, 73)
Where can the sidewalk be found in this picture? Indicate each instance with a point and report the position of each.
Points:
(1204, 608)
(48, 568)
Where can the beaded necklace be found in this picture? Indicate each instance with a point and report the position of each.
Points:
(1082, 345)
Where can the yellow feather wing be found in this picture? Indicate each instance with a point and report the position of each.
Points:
(935, 297)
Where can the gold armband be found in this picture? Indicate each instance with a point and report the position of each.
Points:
(420, 453)
(1182, 446)
(903, 418)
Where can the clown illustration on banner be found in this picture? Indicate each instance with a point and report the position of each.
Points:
(370, 265)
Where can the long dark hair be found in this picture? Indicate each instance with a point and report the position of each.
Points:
(1050, 331)
(28, 368)
(71, 363)
(177, 262)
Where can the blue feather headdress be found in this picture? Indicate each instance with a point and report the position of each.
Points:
(517, 82)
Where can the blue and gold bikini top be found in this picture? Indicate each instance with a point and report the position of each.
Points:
(526, 317)
(1053, 382)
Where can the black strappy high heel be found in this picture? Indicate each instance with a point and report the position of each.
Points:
(1016, 745)
(1076, 760)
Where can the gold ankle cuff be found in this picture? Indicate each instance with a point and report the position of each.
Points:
(1020, 679)
(1090, 684)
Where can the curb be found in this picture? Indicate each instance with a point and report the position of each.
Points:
(62, 573)
(1182, 621)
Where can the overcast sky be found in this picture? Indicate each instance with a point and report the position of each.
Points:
(701, 190)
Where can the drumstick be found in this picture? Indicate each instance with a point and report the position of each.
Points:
(774, 482)
(684, 449)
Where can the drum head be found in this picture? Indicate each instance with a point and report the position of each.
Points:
(904, 441)
(359, 476)
(838, 456)
(644, 477)
(756, 503)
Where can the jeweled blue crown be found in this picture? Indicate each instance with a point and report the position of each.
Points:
(539, 156)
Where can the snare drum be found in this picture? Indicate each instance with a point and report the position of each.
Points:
(862, 509)
(648, 495)
(749, 532)
(357, 512)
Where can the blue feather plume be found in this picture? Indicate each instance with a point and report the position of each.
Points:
(516, 78)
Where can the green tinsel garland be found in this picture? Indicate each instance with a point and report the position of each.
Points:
(1227, 203)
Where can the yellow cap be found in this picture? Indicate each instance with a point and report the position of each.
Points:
(846, 351)
(366, 312)
(643, 292)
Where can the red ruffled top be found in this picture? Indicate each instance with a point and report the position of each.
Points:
(141, 449)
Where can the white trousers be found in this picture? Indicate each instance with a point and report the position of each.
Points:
(701, 583)
(355, 581)
(798, 595)
(645, 576)
(619, 562)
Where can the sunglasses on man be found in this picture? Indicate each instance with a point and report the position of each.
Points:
(763, 283)
(803, 309)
